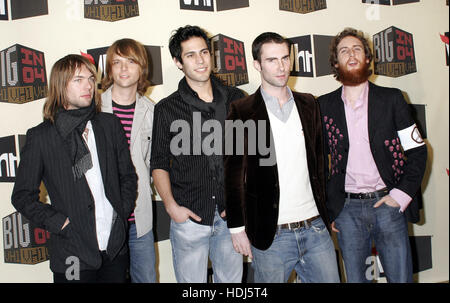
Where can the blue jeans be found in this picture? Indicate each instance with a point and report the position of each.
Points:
(142, 257)
(191, 245)
(309, 250)
(360, 224)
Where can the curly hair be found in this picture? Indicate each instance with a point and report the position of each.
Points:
(335, 42)
(183, 34)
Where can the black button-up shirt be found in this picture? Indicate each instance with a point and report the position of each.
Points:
(196, 179)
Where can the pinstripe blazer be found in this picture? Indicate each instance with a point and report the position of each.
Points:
(44, 158)
(140, 146)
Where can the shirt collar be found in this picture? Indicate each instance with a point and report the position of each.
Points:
(272, 102)
(361, 99)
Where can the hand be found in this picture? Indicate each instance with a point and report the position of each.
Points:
(388, 200)
(333, 227)
(65, 223)
(180, 214)
(241, 244)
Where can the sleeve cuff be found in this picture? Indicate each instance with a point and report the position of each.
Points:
(401, 198)
(236, 230)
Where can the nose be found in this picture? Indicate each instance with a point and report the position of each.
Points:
(123, 66)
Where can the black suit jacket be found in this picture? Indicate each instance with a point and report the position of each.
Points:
(252, 190)
(44, 158)
(388, 113)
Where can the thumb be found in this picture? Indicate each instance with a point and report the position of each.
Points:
(379, 203)
(194, 216)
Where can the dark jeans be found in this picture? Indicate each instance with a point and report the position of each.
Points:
(111, 271)
(360, 224)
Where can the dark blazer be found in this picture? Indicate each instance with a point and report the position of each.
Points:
(388, 113)
(44, 158)
(251, 190)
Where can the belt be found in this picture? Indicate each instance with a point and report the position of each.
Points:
(299, 224)
(372, 195)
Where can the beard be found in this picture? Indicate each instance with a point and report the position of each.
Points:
(354, 77)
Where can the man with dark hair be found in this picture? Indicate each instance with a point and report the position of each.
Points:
(125, 84)
(82, 157)
(276, 211)
(376, 164)
(190, 182)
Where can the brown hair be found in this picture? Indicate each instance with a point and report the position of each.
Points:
(127, 48)
(62, 72)
(337, 39)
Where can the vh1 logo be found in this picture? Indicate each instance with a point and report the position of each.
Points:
(22, 75)
(208, 5)
(229, 63)
(8, 157)
(153, 57)
(23, 242)
(302, 6)
(110, 10)
(394, 53)
(388, 2)
(307, 61)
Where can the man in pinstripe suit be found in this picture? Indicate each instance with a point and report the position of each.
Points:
(83, 159)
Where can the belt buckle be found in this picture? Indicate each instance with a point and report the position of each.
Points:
(295, 225)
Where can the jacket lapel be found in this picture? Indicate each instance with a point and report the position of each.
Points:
(139, 114)
(101, 144)
(373, 114)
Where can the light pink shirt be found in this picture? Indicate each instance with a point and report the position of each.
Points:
(362, 173)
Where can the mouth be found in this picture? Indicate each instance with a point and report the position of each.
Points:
(201, 70)
(86, 96)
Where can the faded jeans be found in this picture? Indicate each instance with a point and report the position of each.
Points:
(191, 245)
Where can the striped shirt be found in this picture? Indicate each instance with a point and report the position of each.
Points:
(126, 114)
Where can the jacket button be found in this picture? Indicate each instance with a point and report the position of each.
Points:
(275, 206)
(90, 206)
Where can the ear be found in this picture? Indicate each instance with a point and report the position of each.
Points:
(178, 63)
(257, 65)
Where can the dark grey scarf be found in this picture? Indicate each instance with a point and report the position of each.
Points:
(70, 124)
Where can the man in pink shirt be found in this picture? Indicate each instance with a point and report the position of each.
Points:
(376, 161)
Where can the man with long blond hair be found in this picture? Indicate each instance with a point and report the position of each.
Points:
(125, 84)
(82, 157)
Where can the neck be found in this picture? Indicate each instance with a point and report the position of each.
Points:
(352, 93)
(124, 96)
(203, 89)
(281, 93)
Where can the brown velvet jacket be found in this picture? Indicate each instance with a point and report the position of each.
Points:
(251, 189)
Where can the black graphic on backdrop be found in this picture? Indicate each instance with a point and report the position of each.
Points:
(302, 7)
(3, 10)
(307, 61)
(22, 75)
(110, 10)
(23, 242)
(394, 53)
(229, 62)
(28, 8)
(388, 2)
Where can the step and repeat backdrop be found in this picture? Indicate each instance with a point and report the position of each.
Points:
(410, 41)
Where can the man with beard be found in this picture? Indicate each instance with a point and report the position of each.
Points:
(276, 211)
(376, 161)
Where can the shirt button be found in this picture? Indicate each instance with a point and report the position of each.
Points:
(213, 197)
